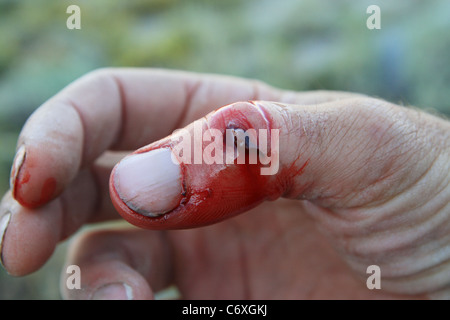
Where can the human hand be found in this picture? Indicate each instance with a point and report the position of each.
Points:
(360, 182)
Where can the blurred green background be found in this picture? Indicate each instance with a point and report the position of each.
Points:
(293, 44)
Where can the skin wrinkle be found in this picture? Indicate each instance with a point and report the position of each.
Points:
(293, 130)
(386, 255)
(105, 77)
(411, 237)
(399, 128)
(255, 84)
(375, 217)
(332, 137)
(428, 133)
(367, 194)
(415, 260)
(123, 110)
(191, 90)
(392, 152)
(98, 205)
(64, 224)
(119, 112)
(287, 123)
(193, 93)
(95, 205)
(358, 227)
(103, 206)
(324, 137)
(302, 144)
(422, 282)
(428, 254)
(84, 153)
(120, 143)
(70, 222)
(399, 193)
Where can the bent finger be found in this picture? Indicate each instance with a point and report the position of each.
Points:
(119, 264)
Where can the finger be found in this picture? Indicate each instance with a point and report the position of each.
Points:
(119, 264)
(362, 164)
(121, 109)
(30, 236)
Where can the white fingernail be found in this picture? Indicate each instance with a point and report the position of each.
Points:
(17, 163)
(114, 291)
(149, 183)
(4, 222)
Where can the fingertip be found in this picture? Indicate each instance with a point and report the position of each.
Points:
(105, 280)
(49, 155)
(120, 264)
(208, 189)
(29, 237)
(33, 186)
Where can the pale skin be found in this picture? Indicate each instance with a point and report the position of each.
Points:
(375, 191)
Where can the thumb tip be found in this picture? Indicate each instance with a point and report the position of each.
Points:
(214, 179)
(149, 182)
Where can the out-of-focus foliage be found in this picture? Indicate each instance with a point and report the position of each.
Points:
(293, 44)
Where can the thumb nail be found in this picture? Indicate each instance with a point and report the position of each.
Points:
(149, 183)
(113, 291)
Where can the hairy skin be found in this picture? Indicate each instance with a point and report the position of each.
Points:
(364, 182)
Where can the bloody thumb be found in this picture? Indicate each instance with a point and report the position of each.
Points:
(335, 154)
